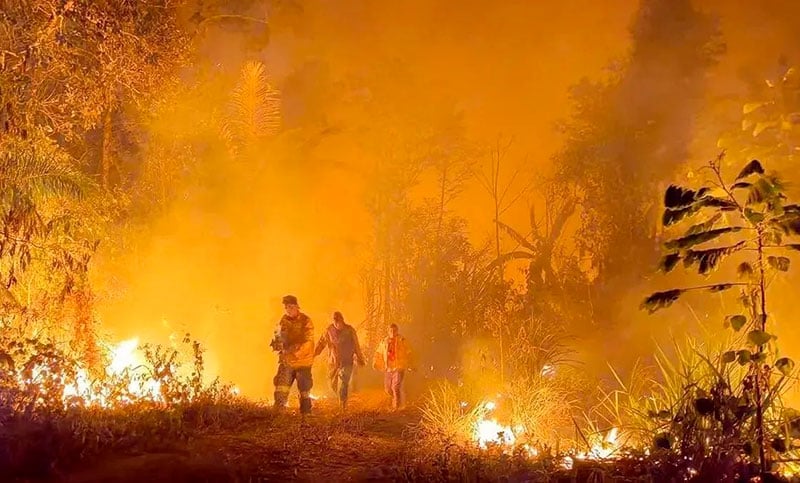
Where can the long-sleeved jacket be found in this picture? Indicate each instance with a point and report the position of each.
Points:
(402, 358)
(298, 336)
(342, 345)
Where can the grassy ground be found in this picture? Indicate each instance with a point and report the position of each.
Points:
(364, 443)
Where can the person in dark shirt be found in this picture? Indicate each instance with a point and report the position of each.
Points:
(341, 341)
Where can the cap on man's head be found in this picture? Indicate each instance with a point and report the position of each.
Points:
(290, 300)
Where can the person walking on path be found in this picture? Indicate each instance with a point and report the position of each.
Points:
(341, 340)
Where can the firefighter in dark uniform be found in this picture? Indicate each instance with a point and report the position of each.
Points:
(294, 341)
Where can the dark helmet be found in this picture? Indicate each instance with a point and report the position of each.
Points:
(290, 300)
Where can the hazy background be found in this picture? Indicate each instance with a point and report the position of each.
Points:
(218, 256)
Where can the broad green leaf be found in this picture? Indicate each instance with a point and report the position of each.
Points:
(758, 337)
(708, 260)
(785, 365)
(689, 241)
(661, 300)
(704, 226)
(789, 223)
(760, 191)
(793, 208)
(753, 166)
(728, 357)
(743, 357)
(736, 322)
(723, 204)
(679, 197)
(669, 261)
(773, 237)
(780, 264)
(753, 216)
(740, 185)
(744, 270)
(759, 357)
(672, 216)
(720, 287)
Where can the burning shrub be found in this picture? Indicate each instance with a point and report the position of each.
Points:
(39, 376)
(53, 412)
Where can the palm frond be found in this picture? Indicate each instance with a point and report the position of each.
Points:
(255, 108)
(39, 169)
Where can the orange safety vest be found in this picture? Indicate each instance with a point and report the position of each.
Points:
(402, 355)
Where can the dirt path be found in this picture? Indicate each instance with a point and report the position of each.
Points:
(362, 444)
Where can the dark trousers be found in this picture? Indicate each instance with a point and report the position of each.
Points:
(283, 382)
(393, 383)
(340, 381)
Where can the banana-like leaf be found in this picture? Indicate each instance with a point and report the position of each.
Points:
(516, 236)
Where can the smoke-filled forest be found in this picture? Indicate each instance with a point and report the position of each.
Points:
(431, 240)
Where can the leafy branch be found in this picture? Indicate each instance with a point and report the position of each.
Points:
(747, 217)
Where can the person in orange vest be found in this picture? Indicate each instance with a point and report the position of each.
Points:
(294, 342)
(393, 357)
(344, 350)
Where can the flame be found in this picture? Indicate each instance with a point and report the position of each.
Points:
(123, 359)
(603, 449)
(123, 356)
(489, 431)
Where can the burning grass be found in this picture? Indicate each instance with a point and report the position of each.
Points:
(527, 417)
(687, 419)
(55, 411)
